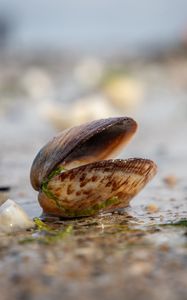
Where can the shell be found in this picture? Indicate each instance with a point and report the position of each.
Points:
(74, 179)
(87, 143)
(96, 187)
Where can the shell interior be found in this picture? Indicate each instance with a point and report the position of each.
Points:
(102, 145)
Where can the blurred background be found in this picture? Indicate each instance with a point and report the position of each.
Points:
(63, 63)
(93, 26)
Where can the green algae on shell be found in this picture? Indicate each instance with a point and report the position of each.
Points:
(74, 178)
(45, 189)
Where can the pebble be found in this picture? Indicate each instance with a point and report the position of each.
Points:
(13, 218)
(152, 208)
(170, 180)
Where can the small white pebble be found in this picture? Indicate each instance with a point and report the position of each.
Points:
(13, 218)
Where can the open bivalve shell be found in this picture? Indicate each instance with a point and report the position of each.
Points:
(74, 178)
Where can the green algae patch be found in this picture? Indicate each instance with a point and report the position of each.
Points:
(57, 235)
(40, 225)
(180, 223)
(46, 234)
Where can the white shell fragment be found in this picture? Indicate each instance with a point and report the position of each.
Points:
(13, 218)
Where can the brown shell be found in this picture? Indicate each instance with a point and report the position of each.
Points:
(97, 187)
(86, 143)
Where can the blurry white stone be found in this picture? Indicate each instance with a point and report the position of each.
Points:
(91, 108)
(37, 83)
(13, 218)
(83, 110)
(89, 72)
(48, 109)
(57, 115)
(124, 92)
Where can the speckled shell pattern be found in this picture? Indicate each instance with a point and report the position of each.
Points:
(83, 191)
